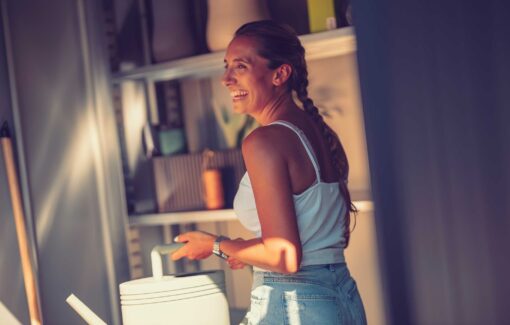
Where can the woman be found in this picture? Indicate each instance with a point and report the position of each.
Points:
(294, 197)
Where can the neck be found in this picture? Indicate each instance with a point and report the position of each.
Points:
(281, 106)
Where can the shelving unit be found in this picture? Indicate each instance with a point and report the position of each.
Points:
(159, 219)
(317, 46)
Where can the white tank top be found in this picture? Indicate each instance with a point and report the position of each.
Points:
(320, 212)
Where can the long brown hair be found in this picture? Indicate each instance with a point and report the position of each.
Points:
(279, 44)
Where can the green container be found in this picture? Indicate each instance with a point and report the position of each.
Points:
(171, 141)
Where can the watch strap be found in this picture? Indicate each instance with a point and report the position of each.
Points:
(216, 247)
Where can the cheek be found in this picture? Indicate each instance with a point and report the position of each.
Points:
(263, 86)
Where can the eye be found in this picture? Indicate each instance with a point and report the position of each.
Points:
(240, 66)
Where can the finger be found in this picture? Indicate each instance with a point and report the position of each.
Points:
(182, 238)
(233, 261)
(175, 256)
(237, 264)
(180, 253)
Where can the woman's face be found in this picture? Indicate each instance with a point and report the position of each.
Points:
(247, 76)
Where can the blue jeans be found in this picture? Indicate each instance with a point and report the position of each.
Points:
(316, 294)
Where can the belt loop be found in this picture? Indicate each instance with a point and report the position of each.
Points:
(331, 267)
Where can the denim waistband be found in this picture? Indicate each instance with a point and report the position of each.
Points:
(331, 267)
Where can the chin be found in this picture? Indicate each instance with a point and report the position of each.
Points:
(239, 109)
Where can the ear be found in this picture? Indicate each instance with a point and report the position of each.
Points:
(282, 74)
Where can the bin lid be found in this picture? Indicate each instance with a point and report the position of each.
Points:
(182, 281)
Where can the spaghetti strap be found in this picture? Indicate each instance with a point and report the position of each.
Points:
(304, 140)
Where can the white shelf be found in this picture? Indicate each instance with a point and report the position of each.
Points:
(318, 46)
(159, 219)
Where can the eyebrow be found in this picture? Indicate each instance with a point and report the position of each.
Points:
(245, 60)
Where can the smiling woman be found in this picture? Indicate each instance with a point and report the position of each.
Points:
(247, 76)
(294, 196)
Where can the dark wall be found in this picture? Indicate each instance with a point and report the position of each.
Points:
(435, 80)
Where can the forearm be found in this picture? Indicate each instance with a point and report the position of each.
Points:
(275, 255)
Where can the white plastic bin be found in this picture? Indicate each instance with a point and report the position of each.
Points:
(191, 298)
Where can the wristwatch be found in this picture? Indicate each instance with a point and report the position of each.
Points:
(216, 247)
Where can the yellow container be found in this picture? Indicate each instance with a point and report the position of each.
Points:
(321, 15)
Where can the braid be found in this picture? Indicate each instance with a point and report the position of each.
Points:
(279, 44)
(339, 158)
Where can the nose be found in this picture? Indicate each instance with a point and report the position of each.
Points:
(227, 79)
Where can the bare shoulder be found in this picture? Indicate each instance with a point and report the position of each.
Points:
(264, 143)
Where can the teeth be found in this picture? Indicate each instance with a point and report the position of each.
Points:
(238, 93)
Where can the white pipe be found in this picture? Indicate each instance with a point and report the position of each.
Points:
(85, 312)
(156, 261)
(6, 317)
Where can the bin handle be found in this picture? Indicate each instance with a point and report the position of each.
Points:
(157, 262)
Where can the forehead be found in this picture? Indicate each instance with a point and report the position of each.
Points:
(242, 47)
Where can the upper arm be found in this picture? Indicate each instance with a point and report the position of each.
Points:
(270, 180)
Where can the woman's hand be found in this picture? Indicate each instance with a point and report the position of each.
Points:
(199, 245)
(235, 264)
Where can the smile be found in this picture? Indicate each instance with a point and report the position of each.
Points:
(238, 94)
